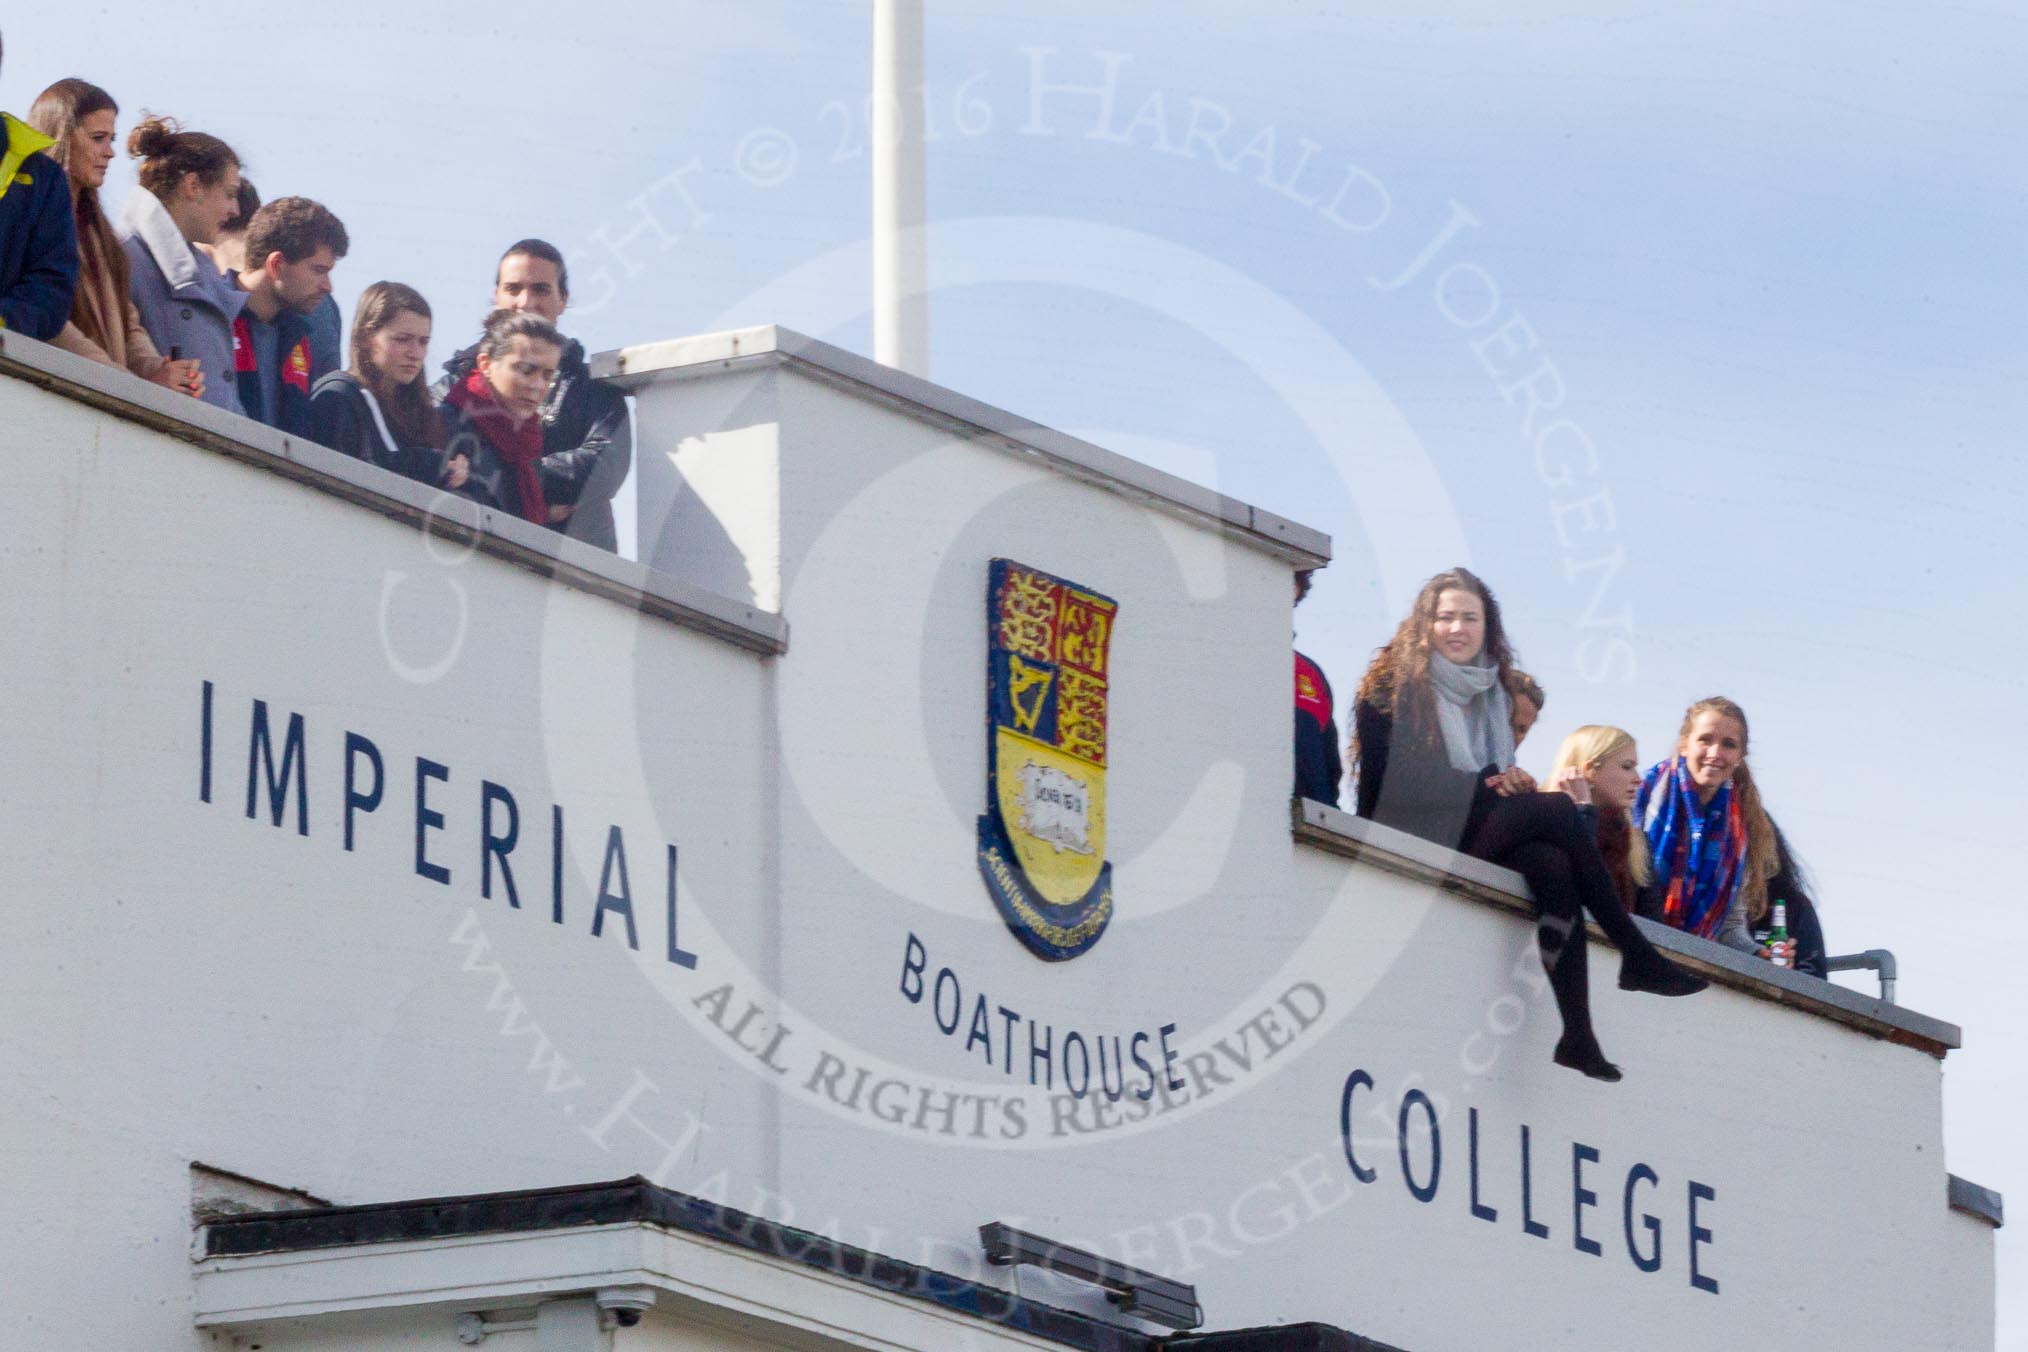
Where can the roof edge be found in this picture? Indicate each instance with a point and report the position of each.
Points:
(732, 349)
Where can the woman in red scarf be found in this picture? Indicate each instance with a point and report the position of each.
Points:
(493, 419)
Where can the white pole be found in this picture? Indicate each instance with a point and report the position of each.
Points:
(900, 259)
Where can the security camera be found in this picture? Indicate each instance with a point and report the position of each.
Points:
(625, 1305)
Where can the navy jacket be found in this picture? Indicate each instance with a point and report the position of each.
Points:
(345, 416)
(1318, 768)
(303, 362)
(38, 235)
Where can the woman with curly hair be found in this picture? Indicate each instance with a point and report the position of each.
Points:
(1721, 859)
(1434, 743)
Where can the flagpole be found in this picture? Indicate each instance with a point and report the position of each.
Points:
(900, 256)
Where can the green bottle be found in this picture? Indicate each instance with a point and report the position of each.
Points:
(1778, 937)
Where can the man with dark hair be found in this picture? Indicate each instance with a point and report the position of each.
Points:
(588, 443)
(292, 244)
(1318, 768)
(38, 234)
(1526, 699)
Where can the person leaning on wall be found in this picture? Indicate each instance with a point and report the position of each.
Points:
(1720, 861)
(104, 326)
(379, 409)
(292, 245)
(189, 189)
(38, 239)
(492, 418)
(588, 444)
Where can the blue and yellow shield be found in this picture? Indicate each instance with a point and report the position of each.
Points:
(1042, 840)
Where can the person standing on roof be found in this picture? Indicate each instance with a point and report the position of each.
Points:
(1318, 768)
(38, 239)
(104, 326)
(587, 441)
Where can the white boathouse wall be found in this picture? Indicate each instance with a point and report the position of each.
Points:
(793, 703)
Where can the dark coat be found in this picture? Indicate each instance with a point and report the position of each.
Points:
(342, 417)
(1407, 782)
(587, 442)
(38, 236)
(1318, 768)
(492, 482)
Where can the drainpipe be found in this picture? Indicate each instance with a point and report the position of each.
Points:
(1872, 960)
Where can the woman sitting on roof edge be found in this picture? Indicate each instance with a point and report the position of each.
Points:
(1434, 743)
(1721, 860)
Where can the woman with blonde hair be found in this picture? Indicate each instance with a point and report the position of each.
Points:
(104, 326)
(1599, 769)
(1720, 860)
(1435, 749)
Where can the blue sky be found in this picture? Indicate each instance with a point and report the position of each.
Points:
(1774, 259)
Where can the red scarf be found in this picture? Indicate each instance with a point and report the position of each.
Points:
(520, 447)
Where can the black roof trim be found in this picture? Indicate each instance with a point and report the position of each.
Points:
(637, 1200)
(1973, 1200)
(1278, 1338)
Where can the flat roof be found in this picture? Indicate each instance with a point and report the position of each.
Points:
(1339, 832)
(770, 344)
(505, 536)
(638, 1201)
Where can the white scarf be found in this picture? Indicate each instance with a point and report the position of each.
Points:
(1473, 713)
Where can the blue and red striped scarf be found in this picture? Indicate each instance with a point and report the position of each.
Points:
(1700, 850)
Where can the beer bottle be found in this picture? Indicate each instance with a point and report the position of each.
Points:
(1778, 937)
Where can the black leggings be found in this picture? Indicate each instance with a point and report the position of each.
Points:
(1542, 837)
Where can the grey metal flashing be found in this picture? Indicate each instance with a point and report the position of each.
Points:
(1973, 1200)
(637, 1201)
(1339, 832)
(768, 344)
(584, 567)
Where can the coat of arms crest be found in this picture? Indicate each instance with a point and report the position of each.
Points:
(1042, 839)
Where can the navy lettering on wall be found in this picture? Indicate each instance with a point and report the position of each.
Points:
(1528, 1222)
(1427, 1191)
(204, 749)
(1699, 1235)
(1357, 1079)
(1652, 1260)
(427, 819)
(622, 901)
(356, 801)
(556, 863)
(493, 846)
(1581, 1197)
(1484, 1213)
(260, 757)
(677, 953)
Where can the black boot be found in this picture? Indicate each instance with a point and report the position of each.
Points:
(1580, 1051)
(1656, 975)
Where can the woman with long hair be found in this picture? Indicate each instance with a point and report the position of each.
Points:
(104, 326)
(189, 188)
(1598, 767)
(1434, 744)
(1721, 860)
(379, 409)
